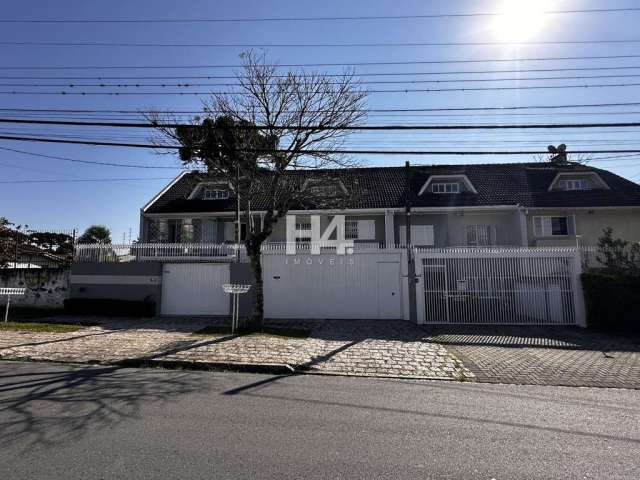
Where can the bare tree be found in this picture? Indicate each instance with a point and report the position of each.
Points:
(260, 136)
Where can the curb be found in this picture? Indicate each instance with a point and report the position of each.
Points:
(270, 368)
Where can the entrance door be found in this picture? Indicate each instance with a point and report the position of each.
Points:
(389, 298)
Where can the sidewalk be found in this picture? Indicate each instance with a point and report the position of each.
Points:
(520, 355)
(366, 348)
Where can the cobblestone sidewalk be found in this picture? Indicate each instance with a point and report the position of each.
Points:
(539, 356)
(368, 348)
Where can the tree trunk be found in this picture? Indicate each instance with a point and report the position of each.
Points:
(258, 312)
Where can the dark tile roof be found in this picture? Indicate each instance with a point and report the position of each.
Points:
(523, 184)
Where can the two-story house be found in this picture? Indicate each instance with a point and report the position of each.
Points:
(519, 204)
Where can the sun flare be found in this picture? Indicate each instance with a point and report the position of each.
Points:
(520, 20)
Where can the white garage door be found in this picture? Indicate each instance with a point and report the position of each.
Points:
(194, 289)
(331, 286)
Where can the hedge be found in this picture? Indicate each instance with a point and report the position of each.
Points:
(612, 301)
(106, 306)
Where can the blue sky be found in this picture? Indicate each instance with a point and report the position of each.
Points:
(116, 204)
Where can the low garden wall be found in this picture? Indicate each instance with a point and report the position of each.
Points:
(46, 287)
(612, 301)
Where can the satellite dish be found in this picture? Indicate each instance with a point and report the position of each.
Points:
(552, 149)
(562, 148)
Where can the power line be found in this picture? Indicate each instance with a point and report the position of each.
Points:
(349, 64)
(329, 128)
(366, 82)
(319, 151)
(397, 90)
(364, 74)
(91, 162)
(315, 19)
(314, 45)
(86, 180)
(377, 110)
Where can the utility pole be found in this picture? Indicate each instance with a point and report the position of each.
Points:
(238, 227)
(411, 267)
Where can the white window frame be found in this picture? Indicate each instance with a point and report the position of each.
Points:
(209, 193)
(445, 187)
(543, 226)
(487, 232)
(569, 184)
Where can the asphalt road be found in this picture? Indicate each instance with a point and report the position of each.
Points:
(62, 422)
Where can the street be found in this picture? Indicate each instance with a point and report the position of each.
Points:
(61, 421)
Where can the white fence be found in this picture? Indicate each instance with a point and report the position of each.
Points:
(145, 252)
(520, 286)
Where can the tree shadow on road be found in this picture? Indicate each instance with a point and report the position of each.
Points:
(59, 404)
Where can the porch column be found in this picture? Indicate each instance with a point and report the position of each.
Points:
(389, 239)
(522, 217)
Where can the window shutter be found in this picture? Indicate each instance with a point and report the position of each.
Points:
(366, 229)
(229, 232)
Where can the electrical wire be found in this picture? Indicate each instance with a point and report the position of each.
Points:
(348, 64)
(315, 19)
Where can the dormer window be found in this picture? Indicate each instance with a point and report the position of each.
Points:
(574, 181)
(215, 194)
(575, 184)
(451, 183)
(445, 187)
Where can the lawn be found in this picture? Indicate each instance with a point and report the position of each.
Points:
(38, 327)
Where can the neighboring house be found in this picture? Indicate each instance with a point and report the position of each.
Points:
(520, 204)
(30, 257)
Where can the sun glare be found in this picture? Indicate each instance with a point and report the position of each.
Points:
(520, 20)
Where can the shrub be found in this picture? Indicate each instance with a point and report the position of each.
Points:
(612, 301)
(107, 306)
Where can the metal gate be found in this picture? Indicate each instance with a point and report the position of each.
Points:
(499, 286)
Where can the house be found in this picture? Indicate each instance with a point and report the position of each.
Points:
(475, 205)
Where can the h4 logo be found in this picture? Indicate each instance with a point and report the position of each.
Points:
(317, 238)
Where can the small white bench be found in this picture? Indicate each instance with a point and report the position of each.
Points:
(9, 292)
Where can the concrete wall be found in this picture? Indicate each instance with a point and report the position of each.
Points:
(242, 273)
(449, 229)
(589, 226)
(46, 287)
(123, 281)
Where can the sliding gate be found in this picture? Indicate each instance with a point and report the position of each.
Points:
(500, 286)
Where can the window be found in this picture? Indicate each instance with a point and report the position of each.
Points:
(303, 230)
(215, 194)
(351, 229)
(553, 226)
(230, 231)
(445, 187)
(575, 184)
(480, 235)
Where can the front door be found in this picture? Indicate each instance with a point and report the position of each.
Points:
(389, 298)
